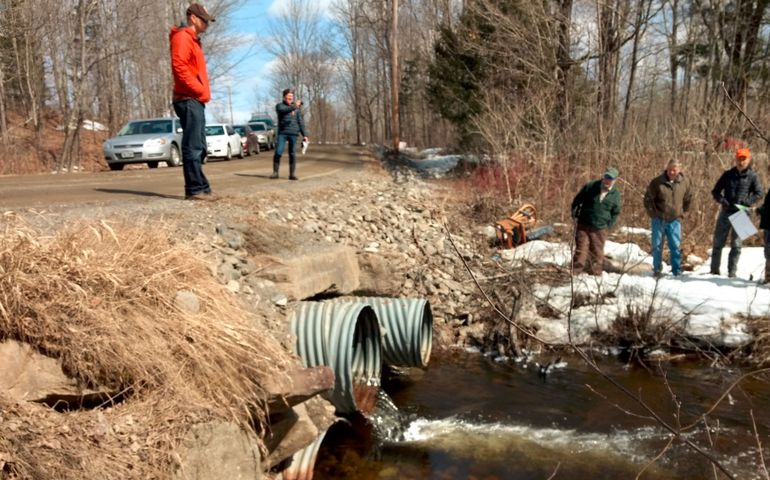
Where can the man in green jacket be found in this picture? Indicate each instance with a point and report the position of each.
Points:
(595, 209)
(666, 200)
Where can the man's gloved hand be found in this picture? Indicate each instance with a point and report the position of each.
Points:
(723, 201)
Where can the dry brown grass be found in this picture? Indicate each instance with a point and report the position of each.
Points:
(100, 297)
(759, 355)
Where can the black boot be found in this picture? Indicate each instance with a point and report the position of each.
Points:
(716, 260)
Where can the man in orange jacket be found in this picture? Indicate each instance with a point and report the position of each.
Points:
(191, 92)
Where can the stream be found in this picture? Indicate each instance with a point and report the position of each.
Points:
(471, 417)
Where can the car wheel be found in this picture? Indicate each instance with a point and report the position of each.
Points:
(176, 160)
(115, 167)
(240, 154)
(229, 155)
(152, 164)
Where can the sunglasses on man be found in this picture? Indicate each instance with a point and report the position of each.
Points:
(607, 177)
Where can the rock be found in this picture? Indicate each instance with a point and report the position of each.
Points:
(430, 250)
(310, 227)
(279, 299)
(234, 286)
(378, 275)
(297, 386)
(290, 432)
(329, 269)
(27, 375)
(217, 450)
(187, 302)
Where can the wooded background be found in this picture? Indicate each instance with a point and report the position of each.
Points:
(574, 79)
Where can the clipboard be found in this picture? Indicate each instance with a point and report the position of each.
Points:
(742, 224)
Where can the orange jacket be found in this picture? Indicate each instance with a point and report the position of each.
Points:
(188, 65)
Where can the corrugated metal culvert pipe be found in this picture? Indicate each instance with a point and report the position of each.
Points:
(408, 328)
(302, 464)
(346, 337)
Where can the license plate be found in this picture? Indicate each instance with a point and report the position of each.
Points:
(126, 154)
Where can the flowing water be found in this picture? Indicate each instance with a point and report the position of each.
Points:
(470, 417)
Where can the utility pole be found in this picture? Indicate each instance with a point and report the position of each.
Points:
(394, 71)
(230, 94)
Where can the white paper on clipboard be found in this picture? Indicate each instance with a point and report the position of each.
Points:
(742, 224)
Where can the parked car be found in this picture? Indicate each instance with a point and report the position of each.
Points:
(150, 141)
(264, 134)
(249, 139)
(264, 117)
(223, 141)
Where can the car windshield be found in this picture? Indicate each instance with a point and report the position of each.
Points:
(241, 131)
(215, 130)
(146, 126)
(258, 126)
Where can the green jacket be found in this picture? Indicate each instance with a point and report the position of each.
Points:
(595, 213)
(668, 200)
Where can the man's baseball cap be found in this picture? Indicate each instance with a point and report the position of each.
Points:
(743, 152)
(200, 11)
(612, 172)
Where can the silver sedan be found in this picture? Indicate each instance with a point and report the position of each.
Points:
(149, 141)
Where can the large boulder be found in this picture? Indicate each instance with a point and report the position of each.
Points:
(218, 450)
(286, 391)
(290, 432)
(322, 269)
(379, 276)
(27, 375)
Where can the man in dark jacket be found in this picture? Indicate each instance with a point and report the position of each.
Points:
(290, 125)
(764, 225)
(595, 208)
(738, 187)
(191, 92)
(667, 199)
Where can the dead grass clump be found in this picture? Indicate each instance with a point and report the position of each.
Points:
(100, 297)
(641, 328)
(759, 328)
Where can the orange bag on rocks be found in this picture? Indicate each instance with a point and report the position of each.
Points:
(512, 231)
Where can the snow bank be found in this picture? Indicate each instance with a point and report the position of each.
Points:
(706, 306)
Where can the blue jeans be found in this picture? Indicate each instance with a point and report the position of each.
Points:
(673, 232)
(192, 115)
(283, 139)
(723, 228)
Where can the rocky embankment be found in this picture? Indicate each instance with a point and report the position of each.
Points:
(366, 237)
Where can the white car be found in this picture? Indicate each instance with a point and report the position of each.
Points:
(223, 141)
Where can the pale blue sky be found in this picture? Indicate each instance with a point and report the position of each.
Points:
(250, 22)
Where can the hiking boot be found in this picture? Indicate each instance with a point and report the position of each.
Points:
(657, 274)
(274, 176)
(202, 197)
(292, 177)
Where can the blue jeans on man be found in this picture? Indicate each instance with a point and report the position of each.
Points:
(192, 115)
(283, 139)
(673, 232)
(723, 228)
